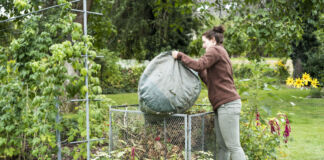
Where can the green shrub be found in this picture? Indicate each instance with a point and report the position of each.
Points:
(316, 93)
(259, 139)
(124, 80)
(281, 71)
(195, 47)
(244, 71)
(315, 66)
(74, 127)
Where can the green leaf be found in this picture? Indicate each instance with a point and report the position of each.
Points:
(83, 71)
(9, 151)
(2, 141)
(84, 89)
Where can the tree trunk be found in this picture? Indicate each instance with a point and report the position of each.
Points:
(79, 6)
(298, 68)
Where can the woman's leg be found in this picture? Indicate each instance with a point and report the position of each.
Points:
(222, 151)
(228, 120)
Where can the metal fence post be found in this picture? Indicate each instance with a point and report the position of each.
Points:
(126, 124)
(164, 130)
(203, 133)
(215, 136)
(86, 78)
(186, 137)
(110, 133)
(189, 138)
(58, 134)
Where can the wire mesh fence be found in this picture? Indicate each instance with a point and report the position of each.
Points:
(202, 137)
(182, 136)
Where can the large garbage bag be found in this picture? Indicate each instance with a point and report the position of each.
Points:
(167, 86)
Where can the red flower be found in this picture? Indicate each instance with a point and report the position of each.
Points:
(274, 126)
(257, 118)
(287, 130)
(133, 153)
(157, 138)
(278, 127)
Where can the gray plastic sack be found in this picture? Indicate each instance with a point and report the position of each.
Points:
(167, 86)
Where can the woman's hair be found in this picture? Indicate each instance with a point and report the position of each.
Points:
(217, 32)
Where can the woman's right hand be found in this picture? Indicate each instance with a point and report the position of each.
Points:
(175, 54)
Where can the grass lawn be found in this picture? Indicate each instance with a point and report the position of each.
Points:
(306, 116)
(307, 122)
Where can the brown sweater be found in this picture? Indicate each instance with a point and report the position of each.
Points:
(215, 70)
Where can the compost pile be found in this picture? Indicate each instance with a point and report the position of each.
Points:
(154, 141)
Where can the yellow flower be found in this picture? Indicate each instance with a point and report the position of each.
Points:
(306, 78)
(280, 63)
(314, 83)
(298, 83)
(290, 81)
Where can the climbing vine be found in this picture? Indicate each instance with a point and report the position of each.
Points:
(41, 68)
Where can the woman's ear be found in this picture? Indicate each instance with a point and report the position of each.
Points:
(213, 40)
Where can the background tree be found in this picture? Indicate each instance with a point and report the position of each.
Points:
(142, 29)
(79, 6)
(308, 45)
(274, 28)
(314, 41)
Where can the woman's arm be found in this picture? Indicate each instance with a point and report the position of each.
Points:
(206, 61)
(203, 76)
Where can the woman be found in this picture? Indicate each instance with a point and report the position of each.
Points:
(215, 70)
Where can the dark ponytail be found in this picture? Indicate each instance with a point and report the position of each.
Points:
(217, 32)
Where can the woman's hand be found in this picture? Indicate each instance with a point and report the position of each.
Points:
(175, 54)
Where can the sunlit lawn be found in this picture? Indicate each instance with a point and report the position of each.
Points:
(306, 117)
(307, 122)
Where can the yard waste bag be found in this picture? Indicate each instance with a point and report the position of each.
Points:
(167, 86)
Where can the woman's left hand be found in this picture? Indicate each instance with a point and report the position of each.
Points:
(175, 54)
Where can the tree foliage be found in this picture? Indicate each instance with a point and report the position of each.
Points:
(261, 29)
(306, 50)
(274, 28)
(313, 63)
(142, 29)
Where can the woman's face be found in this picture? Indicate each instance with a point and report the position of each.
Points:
(208, 42)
